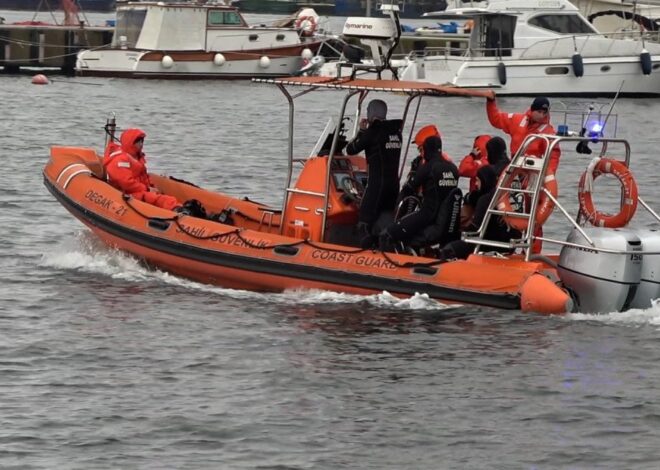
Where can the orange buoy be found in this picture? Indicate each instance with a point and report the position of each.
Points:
(539, 294)
(40, 79)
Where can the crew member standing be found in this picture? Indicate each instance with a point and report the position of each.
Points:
(380, 139)
(536, 120)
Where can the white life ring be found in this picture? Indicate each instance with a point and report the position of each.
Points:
(306, 25)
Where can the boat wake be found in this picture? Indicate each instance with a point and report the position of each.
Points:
(86, 254)
(632, 317)
(383, 300)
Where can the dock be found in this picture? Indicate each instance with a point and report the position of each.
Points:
(48, 46)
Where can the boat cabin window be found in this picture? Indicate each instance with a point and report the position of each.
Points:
(496, 35)
(223, 18)
(563, 24)
(128, 27)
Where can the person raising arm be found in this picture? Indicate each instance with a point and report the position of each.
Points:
(536, 120)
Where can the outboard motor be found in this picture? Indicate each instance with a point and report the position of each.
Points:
(353, 54)
(603, 282)
(380, 35)
(649, 285)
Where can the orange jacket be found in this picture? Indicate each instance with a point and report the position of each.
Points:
(474, 160)
(519, 126)
(127, 170)
(126, 165)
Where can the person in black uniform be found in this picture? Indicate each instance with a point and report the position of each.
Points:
(437, 178)
(380, 139)
(497, 229)
(497, 157)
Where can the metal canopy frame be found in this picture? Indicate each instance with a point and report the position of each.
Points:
(361, 88)
(418, 90)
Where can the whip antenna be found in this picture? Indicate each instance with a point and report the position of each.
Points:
(616, 97)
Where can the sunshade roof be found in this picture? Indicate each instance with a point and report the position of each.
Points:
(412, 88)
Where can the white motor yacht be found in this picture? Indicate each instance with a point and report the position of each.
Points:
(526, 47)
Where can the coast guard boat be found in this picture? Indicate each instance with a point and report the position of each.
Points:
(606, 262)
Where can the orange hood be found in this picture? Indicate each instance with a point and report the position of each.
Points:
(128, 138)
(480, 142)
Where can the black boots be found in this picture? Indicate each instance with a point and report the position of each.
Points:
(367, 239)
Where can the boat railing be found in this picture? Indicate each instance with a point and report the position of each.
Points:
(550, 48)
(597, 120)
(634, 34)
(446, 50)
(532, 190)
(526, 192)
(587, 45)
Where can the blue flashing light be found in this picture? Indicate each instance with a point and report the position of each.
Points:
(597, 128)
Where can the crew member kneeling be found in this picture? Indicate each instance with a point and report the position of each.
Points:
(126, 167)
(437, 178)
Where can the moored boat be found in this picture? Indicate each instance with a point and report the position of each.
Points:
(309, 242)
(197, 40)
(517, 47)
(410, 8)
(623, 17)
(33, 5)
(534, 46)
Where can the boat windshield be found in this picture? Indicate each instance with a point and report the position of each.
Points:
(562, 23)
(224, 18)
(128, 27)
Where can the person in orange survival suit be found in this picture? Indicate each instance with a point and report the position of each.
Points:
(536, 120)
(477, 157)
(127, 170)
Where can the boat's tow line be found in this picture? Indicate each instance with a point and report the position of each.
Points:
(160, 221)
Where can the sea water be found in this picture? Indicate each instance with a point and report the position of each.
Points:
(105, 363)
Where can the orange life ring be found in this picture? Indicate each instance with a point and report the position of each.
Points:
(544, 207)
(306, 25)
(625, 177)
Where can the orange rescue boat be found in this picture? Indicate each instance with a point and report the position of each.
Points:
(248, 245)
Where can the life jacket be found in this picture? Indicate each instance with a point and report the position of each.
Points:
(126, 165)
(519, 126)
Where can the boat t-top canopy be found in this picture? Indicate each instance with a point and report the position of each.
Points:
(415, 91)
(395, 86)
